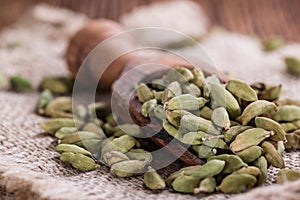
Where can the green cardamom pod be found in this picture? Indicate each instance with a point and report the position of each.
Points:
(287, 175)
(207, 185)
(140, 154)
(288, 127)
(153, 180)
(209, 169)
(262, 164)
(80, 136)
(174, 116)
(293, 141)
(65, 131)
(230, 134)
(159, 84)
(194, 138)
(272, 155)
(144, 93)
(91, 127)
(130, 129)
(199, 80)
(191, 89)
(273, 43)
(186, 102)
(20, 83)
(158, 95)
(232, 162)
(250, 154)
(148, 107)
(206, 113)
(270, 93)
(215, 142)
(79, 161)
(292, 65)
(96, 110)
(222, 98)
(55, 85)
(122, 144)
(128, 168)
(159, 112)
(185, 184)
(220, 118)
(44, 99)
(271, 125)
(171, 130)
(114, 157)
(254, 171)
(257, 108)
(72, 148)
(287, 113)
(204, 151)
(53, 125)
(237, 183)
(60, 107)
(249, 138)
(172, 90)
(80, 112)
(241, 90)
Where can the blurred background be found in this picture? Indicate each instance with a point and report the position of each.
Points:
(254, 17)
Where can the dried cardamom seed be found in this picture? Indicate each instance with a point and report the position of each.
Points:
(250, 154)
(236, 183)
(186, 102)
(257, 108)
(53, 125)
(249, 138)
(271, 125)
(220, 118)
(232, 162)
(272, 156)
(287, 175)
(113, 157)
(241, 90)
(128, 168)
(153, 180)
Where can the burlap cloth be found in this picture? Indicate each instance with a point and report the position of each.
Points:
(29, 166)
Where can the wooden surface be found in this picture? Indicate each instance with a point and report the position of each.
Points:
(255, 17)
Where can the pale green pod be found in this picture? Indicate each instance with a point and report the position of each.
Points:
(182, 75)
(212, 79)
(148, 107)
(159, 112)
(186, 102)
(287, 113)
(65, 131)
(207, 185)
(271, 125)
(271, 93)
(140, 154)
(96, 109)
(114, 157)
(122, 144)
(72, 148)
(249, 138)
(92, 145)
(158, 95)
(153, 180)
(273, 43)
(230, 134)
(288, 127)
(79, 161)
(53, 125)
(109, 129)
(20, 83)
(262, 164)
(80, 112)
(288, 102)
(55, 85)
(60, 107)
(237, 183)
(186, 73)
(44, 99)
(257, 108)
(254, 171)
(292, 65)
(193, 123)
(128, 168)
(185, 184)
(193, 138)
(272, 155)
(172, 90)
(215, 142)
(280, 147)
(222, 98)
(209, 169)
(232, 162)
(174, 116)
(293, 141)
(144, 93)
(159, 84)
(91, 127)
(111, 119)
(204, 151)
(180, 172)
(171, 130)
(79, 136)
(241, 90)
(220, 118)
(191, 89)
(250, 154)
(199, 80)
(287, 175)
(206, 113)
(130, 129)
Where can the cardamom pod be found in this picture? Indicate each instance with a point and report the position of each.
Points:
(55, 85)
(72, 148)
(204, 151)
(232, 162)
(209, 169)
(153, 180)
(60, 107)
(53, 125)
(148, 107)
(206, 113)
(272, 156)
(230, 134)
(80, 136)
(236, 183)
(140, 154)
(287, 113)
(128, 168)
(207, 185)
(91, 127)
(44, 99)
(122, 144)
(194, 138)
(20, 83)
(65, 131)
(241, 90)
(79, 161)
(199, 80)
(273, 43)
(270, 93)
(287, 175)
(191, 89)
(186, 102)
(292, 65)
(130, 129)
(271, 125)
(262, 164)
(250, 154)
(113, 157)
(185, 184)
(172, 90)
(254, 171)
(220, 118)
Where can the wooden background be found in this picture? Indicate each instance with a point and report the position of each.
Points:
(256, 17)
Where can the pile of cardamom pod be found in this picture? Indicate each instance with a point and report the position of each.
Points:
(238, 129)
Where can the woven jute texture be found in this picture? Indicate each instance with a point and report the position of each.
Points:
(29, 166)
